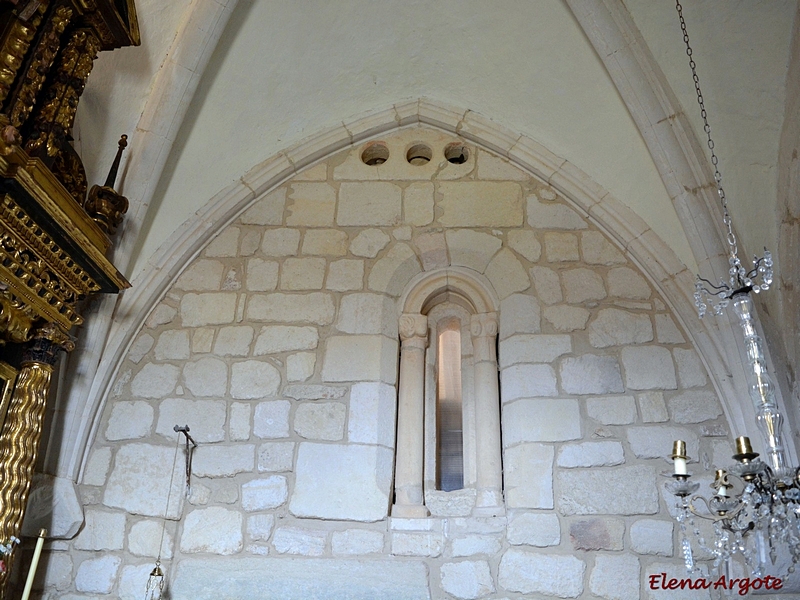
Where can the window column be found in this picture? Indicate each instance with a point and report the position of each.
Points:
(483, 328)
(409, 499)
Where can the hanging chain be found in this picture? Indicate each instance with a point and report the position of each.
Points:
(726, 218)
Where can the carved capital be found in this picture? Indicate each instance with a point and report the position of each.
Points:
(413, 326)
(16, 319)
(483, 325)
(47, 342)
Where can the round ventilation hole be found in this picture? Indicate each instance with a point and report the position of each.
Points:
(456, 153)
(419, 154)
(375, 154)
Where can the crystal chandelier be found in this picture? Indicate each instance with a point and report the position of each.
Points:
(755, 510)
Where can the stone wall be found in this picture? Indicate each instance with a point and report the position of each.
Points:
(278, 346)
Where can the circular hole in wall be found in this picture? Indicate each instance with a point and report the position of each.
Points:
(419, 154)
(456, 153)
(375, 154)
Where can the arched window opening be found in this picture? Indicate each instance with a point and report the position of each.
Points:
(449, 409)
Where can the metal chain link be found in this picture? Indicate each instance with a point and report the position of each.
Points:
(726, 218)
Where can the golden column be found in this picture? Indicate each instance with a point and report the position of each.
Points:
(19, 440)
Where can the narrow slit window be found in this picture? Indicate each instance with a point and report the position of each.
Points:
(449, 411)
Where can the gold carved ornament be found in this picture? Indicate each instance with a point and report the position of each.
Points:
(14, 45)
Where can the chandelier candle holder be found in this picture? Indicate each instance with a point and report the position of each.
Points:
(755, 508)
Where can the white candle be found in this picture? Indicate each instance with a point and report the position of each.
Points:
(34, 563)
(680, 466)
(722, 491)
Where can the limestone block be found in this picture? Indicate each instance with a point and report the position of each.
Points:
(280, 242)
(648, 368)
(213, 308)
(526, 381)
(402, 233)
(205, 417)
(467, 579)
(694, 407)
(566, 318)
(259, 527)
(547, 284)
(612, 410)
(251, 241)
(262, 275)
(254, 379)
(223, 461)
(721, 452)
(624, 282)
(360, 358)
(345, 275)
(591, 374)
(294, 540)
(97, 575)
(266, 211)
(549, 215)
(53, 504)
(203, 275)
(653, 407)
(272, 419)
(656, 442)
(597, 250)
(615, 327)
(457, 503)
(129, 420)
(233, 341)
(264, 494)
(348, 482)
(206, 377)
(202, 339)
(97, 467)
(301, 578)
(325, 242)
(597, 534)
(534, 529)
(651, 536)
(225, 244)
(471, 545)
(482, 525)
(214, 529)
(533, 349)
(417, 544)
(691, 372)
(144, 537)
(418, 203)
(315, 308)
(525, 243)
(581, 285)
(541, 420)
(367, 313)
(357, 541)
(528, 470)
(372, 414)
(311, 205)
(323, 421)
(314, 392)
(102, 531)
(615, 577)
(480, 204)
(140, 347)
(225, 492)
(161, 315)
(132, 580)
(549, 574)
(507, 274)
(471, 249)
(273, 339)
(432, 250)
(667, 331)
(275, 456)
(300, 366)
(591, 454)
(58, 573)
(154, 381)
(302, 274)
(617, 491)
(519, 313)
(561, 247)
(494, 167)
(391, 273)
(369, 204)
(173, 344)
(369, 242)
